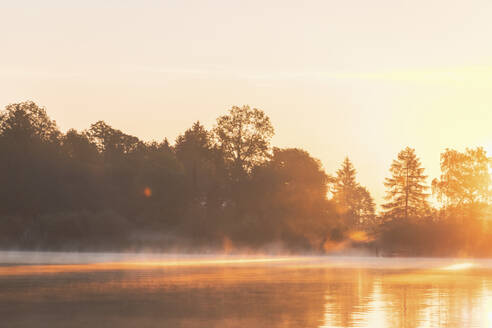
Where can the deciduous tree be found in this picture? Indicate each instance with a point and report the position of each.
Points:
(244, 136)
(465, 177)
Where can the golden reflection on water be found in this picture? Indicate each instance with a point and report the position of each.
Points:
(459, 266)
(92, 267)
(248, 292)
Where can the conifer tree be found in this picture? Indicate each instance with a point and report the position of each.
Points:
(366, 208)
(345, 188)
(405, 195)
(354, 201)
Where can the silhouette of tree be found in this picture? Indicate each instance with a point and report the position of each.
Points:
(105, 189)
(365, 209)
(346, 191)
(244, 136)
(112, 141)
(77, 146)
(81, 180)
(156, 191)
(406, 188)
(30, 160)
(354, 201)
(205, 178)
(291, 202)
(194, 150)
(26, 121)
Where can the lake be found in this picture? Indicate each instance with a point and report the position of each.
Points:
(151, 290)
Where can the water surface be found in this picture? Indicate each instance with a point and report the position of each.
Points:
(129, 290)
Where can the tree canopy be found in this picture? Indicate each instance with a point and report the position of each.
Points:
(224, 189)
(244, 136)
(465, 177)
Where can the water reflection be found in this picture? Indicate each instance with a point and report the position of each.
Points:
(309, 292)
(423, 298)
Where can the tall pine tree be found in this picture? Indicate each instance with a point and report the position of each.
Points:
(354, 201)
(406, 188)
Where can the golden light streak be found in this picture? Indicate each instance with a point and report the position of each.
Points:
(112, 266)
(214, 262)
(459, 266)
(360, 236)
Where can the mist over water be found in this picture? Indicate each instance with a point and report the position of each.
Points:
(152, 175)
(48, 289)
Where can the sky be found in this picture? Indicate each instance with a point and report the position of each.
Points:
(362, 79)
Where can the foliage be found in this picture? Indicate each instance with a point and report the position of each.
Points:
(27, 122)
(354, 201)
(406, 187)
(225, 189)
(244, 136)
(465, 177)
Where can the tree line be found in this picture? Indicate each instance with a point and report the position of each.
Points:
(223, 189)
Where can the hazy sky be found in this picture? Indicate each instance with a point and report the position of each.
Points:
(361, 79)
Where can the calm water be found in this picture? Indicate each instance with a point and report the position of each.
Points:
(109, 290)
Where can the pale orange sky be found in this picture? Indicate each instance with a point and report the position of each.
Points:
(357, 78)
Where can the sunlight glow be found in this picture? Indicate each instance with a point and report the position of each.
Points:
(459, 266)
(360, 236)
(136, 265)
(213, 261)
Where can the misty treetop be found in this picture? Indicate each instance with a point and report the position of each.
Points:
(354, 201)
(226, 187)
(465, 177)
(406, 189)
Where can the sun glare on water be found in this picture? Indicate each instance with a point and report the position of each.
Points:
(217, 261)
(459, 266)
